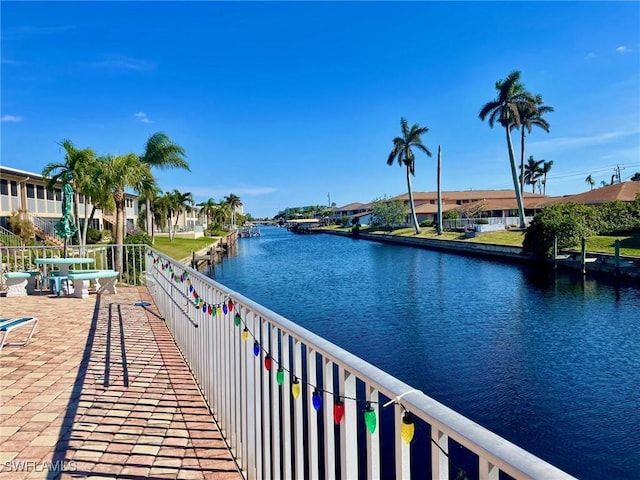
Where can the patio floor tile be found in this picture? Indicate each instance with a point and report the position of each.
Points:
(101, 391)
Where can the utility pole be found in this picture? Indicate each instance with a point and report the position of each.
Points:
(439, 229)
(329, 198)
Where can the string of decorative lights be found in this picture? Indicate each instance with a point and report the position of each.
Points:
(226, 306)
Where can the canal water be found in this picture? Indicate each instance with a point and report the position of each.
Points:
(549, 362)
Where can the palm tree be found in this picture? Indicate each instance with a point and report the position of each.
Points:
(73, 172)
(208, 208)
(160, 152)
(92, 184)
(546, 168)
(505, 109)
(121, 172)
(222, 213)
(234, 202)
(529, 118)
(403, 153)
(177, 202)
(532, 172)
(590, 181)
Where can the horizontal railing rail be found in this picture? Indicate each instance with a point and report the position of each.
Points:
(291, 404)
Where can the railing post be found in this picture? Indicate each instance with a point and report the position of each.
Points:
(275, 349)
(349, 427)
(373, 439)
(439, 454)
(287, 471)
(403, 450)
(266, 401)
(298, 412)
(329, 430)
(312, 439)
(488, 471)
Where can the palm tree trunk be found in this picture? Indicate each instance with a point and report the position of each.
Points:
(149, 222)
(413, 208)
(514, 174)
(522, 159)
(120, 207)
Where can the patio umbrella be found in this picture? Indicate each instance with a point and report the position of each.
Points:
(66, 227)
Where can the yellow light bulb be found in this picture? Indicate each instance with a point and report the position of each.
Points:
(407, 428)
(295, 388)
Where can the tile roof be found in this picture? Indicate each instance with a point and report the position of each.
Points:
(625, 191)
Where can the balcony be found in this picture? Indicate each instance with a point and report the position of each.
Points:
(205, 383)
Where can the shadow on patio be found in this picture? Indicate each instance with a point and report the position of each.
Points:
(102, 391)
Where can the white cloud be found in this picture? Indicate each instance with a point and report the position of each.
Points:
(564, 142)
(590, 55)
(143, 117)
(623, 49)
(10, 119)
(122, 63)
(218, 193)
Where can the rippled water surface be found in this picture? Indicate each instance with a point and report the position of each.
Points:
(552, 364)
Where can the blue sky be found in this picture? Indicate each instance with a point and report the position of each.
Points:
(284, 104)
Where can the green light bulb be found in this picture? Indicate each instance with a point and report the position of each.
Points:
(370, 418)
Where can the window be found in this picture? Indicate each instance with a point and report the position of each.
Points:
(31, 190)
(40, 192)
(58, 194)
(4, 187)
(14, 188)
(50, 195)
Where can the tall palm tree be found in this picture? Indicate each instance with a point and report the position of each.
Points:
(546, 168)
(403, 153)
(160, 152)
(532, 172)
(71, 171)
(121, 172)
(590, 181)
(505, 109)
(529, 118)
(234, 202)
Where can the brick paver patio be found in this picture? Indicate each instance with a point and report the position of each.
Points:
(101, 391)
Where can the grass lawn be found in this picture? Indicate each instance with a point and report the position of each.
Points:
(629, 244)
(182, 247)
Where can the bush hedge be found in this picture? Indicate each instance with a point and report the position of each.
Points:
(570, 222)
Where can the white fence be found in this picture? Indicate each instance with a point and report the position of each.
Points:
(450, 224)
(290, 404)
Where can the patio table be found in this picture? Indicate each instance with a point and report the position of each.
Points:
(63, 264)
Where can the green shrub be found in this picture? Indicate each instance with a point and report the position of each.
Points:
(427, 223)
(93, 236)
(138, 239)
(568, 222)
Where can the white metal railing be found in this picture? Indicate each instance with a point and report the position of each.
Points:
(449, 224)
(269, 417)
(22, 258)
(43, 224)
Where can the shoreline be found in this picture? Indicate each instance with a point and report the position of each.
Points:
(604, 264)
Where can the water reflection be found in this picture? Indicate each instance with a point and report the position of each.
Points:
(546, 359)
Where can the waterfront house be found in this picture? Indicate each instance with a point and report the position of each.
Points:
(22, 190)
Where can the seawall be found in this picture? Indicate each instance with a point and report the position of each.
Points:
(600, 263)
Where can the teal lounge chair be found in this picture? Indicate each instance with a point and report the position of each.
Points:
(8, 324)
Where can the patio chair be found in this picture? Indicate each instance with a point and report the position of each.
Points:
(9, 324)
